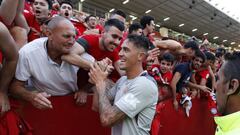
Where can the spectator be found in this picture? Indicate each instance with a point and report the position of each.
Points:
(41, 10)
(136, 29)
(101, 22)
(182, 74)
(148, 25)
(66, 9)
(91, 22)
(40, 61)
(162, 73)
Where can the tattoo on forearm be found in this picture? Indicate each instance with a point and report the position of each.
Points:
(109, 114)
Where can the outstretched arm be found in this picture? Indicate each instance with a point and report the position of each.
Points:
(170, 45)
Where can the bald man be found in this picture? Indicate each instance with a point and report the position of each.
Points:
(40, 61)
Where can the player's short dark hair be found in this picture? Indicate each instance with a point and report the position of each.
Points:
(139, 41)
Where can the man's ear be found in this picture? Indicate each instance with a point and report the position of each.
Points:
(48, 33)
(233, 87)
(142, 56)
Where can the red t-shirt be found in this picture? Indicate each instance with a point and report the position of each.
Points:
(100, 28)
(80, 27)
(165, 77)
(204, 74)
(35, 31)
(94, 50)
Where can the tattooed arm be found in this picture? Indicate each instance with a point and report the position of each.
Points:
(109, 114)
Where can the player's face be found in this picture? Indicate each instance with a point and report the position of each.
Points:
(66, 11)
(127, 55)
(111, 38)
(130, 56)
(41, 9)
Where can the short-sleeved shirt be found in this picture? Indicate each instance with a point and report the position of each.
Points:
(34, 64)
(137, 98)
(204, 74)
(185, 71)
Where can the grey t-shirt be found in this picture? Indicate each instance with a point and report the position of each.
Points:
(137, 98)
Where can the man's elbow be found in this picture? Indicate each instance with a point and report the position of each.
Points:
(106, 121)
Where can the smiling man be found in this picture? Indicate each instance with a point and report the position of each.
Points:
(40, 61)
(134, 96)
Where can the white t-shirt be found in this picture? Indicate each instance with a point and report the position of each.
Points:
(45, 74)
(137, 98)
